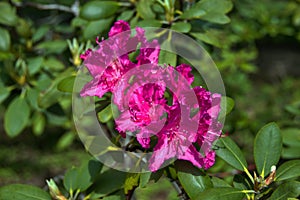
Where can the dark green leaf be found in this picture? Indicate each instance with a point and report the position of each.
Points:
(217, 182)
(144, 9)
(109, 181)
(16, 117)
(182, 27)
(4, 40)
(287, 170)
(193, 12)
(70, 180)
(221, 193)
(267, 148)
(40, 33)
(8, 14)
(231, 153)
(53, 64)
(194, 184)
(131, 182)
(23, 192)
(66, 85)
(98, 9)
(240, 182)
(290, 152)
(286, 190)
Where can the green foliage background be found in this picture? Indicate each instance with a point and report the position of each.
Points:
(255, 44)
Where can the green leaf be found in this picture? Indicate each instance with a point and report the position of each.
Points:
(288, 170)
(16, 117)
(131, 182)
(108, 182)
(227, 105)
(34, 64)
(66, 85)
(23, 192)
(4, 93)
(94, 28)
(70, 180)
(53, 64)
(290, 152)
(291, 137)
(194, 184)
(209, 37)
(149, 23)
(144, 10)
(126, 15)
(38, 123)
(98, 10)
(8, 14)
(231, 153)
(182, 27)
(286, 190)
(105, 115)
(267, 148)
(65, 140)
(217, 182)
(207, 10)
(40, 33)
(144, 179)
(54, 46)
(4, 40)
(240, 182)
(221, 193)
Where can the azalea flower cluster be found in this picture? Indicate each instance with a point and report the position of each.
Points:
(183, 129)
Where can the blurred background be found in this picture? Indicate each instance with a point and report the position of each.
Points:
(254, 43)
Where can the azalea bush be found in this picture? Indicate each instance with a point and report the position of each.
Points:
(156, 116)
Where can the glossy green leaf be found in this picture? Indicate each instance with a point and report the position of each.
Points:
(144, 9)
(288, 170)
(209, 37)
(4, 40)
(267, 148)
(291, 137)
(40, 33)
(193, 12)
(194, 184)
(66, 85)
(94, 10)
(8, 14)
(16, 117)
(96, 28)
(286, 190)
(231, 153)
(131, 182)
(70, 180)
(23, 192)
(221, 193)
(182, 27)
